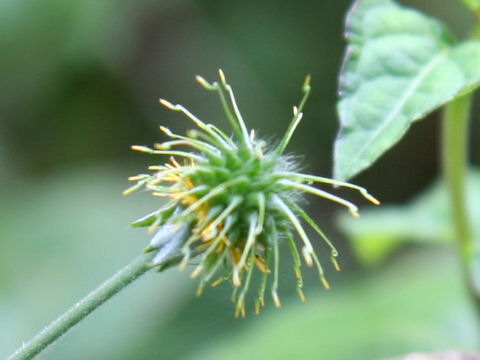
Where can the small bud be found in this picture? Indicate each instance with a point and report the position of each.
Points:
(141, 148)
(276, 299)
(204, 83)
(167, 104)
(198, 270)
(325, 283)
(222, 76)
(301, 295)
(307, 256)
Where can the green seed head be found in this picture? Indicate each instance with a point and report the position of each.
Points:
(232, 200)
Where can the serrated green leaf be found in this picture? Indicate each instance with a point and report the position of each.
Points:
(425, 219)
(400, 65)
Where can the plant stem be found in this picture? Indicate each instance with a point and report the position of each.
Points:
(84, 307)
(455, 159)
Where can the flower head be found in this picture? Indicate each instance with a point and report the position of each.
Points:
(232, 200)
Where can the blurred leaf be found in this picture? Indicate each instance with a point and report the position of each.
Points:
(474, 266)
(472, 4)
(425, 219)
(43, 42)
(399, 66)
(450, 355)
(8, 168)
(414, 305)
(63, 236)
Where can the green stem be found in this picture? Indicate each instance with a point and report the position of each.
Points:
(84, 307)
(455, 159)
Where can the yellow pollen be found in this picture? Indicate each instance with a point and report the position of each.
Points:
(136, 178)
(156, 167)
(175, 163)
(260, 263)
(171, 178)
(217, 282)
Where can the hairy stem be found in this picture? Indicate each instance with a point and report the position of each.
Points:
(84, 307)
(455, 159)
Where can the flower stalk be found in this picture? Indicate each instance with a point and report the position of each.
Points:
(456, 119)
(455, 138)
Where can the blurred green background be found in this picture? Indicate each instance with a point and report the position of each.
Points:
(79, 84)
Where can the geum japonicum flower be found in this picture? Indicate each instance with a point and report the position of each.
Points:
(232, 200)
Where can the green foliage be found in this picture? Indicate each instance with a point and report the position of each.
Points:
(472, 4)
(72, 32)
(426, 219)
(369, 319)
(400, 65)
(60, 242)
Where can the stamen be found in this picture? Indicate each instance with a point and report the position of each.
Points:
(263, 285)
(214, 269)
(307, 255)
(197, 121)
(139, 177)
(175, 163)
(221, 279)
(297, 264)
(205, 83)
(239, 117)
(216, 241)
(219, 189)
(320, 179)
(310, 222)
(261, 213)
(241, 299)
(223, 135)
(288, 135)
(237, 200)
(201, 224)
(276, 262)
(178, 153)
(321, 274)
(253, 223)
(351, 207)
(308, 249)
(228, 112)
(200, 287)
(135, 187)
(196, 190)
(216, 140)
(197, 271)
(188, 141)
(297, 117)
(141, 148)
